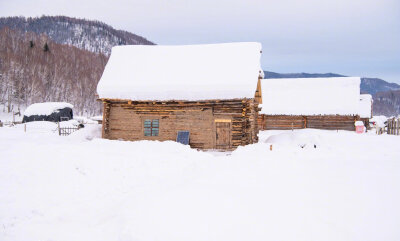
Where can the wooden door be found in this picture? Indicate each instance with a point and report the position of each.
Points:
(223, 130)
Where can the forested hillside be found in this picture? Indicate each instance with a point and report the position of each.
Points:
(93, 36)
(387, 102)
(33, 68)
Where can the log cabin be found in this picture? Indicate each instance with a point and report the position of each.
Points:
(207, 94)
(320, 103)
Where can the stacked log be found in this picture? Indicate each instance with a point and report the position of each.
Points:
(123, 120)
(288, 122)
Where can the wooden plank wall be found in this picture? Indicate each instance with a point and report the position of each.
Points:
(124, 120)
(332, 122)
(393, 126)
(283, 122)
(287, 122)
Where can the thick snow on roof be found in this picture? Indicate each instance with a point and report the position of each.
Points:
(365, 106)
(46, 108)
(311, 96)
(189, 72)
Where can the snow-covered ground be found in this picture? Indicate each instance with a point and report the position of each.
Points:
(84, 188)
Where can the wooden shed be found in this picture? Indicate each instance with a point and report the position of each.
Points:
(320, 103)
(203, 93)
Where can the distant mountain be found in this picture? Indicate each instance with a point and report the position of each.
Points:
(85, 34)
(375, 85)
(386, 95)
(273, 75)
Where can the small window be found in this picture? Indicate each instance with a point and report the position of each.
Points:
(151, 127)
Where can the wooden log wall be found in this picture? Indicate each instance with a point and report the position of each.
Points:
(124, 120)
(332, 122)
(393, 126)
(280, 122)
(288, 122)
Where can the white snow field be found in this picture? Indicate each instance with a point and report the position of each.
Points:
(84, 188)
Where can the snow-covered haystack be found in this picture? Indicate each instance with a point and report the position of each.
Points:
(46, 108)
(48, 111)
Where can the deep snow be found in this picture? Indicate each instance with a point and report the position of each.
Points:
(80, 188)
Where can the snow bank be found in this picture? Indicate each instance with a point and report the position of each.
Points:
(38, 127)
(89, 132)
(46, 108)
(365, 106)
(191, 72)
(303, 139)
(311, 96)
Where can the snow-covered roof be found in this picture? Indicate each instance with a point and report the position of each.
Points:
(311, 96)
(188, 72)
(365, 106)
(46, 108)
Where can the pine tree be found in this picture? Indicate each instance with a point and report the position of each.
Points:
(46, 47)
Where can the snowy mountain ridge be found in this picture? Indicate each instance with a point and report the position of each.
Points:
(93, 36)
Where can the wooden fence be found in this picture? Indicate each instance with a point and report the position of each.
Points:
(393, 126)
(9, 123)
(65, 131)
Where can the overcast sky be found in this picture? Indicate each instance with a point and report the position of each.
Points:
(351, 37)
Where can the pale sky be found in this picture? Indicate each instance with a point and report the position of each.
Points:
(350, 37)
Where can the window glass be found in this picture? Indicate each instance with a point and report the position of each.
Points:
(151, 127)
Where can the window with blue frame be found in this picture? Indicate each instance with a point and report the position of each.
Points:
(151, 127)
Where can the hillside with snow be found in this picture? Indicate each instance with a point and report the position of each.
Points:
(312, 185)
(89, 35)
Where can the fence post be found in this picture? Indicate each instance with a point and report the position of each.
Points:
(59, 130)
(24, 127)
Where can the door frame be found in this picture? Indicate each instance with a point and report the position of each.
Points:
(223, 120)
